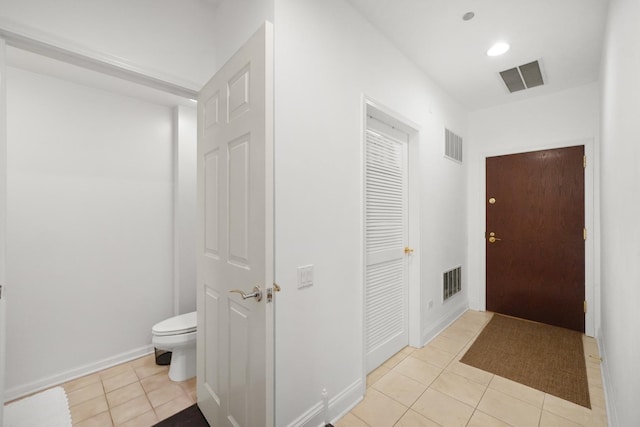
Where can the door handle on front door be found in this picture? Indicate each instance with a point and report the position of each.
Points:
(492, 237)
(257, 293)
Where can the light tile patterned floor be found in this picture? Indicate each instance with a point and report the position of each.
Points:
(138, 393)
(429, 387)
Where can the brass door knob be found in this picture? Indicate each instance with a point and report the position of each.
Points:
(493, 239)
(408, 250)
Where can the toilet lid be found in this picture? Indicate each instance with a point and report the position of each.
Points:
(182, 324)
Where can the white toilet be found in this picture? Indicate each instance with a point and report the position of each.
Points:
(178, 335)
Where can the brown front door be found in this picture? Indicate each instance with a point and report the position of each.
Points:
(534, 237)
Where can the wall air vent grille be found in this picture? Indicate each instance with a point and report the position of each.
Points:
(452, 146)
(523, 77)
(451, 283)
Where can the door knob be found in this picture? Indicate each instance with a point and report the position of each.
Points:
(408, 250)
(492, 238)
(257, 293)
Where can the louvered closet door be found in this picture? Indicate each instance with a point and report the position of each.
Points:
(386, 233)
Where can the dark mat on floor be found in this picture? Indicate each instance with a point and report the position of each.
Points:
(190, 417)
(544, 357)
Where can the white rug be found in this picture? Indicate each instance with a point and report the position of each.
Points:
(49, 408)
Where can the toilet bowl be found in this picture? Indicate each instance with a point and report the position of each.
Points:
(178, 335)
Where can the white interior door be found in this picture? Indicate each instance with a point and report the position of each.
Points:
(386, 238)
(235, 238)
(3, 215)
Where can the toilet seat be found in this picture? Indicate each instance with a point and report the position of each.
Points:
(173, 342)
(178, 325)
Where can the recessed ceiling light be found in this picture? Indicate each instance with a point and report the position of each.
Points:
(498, 49)
(468, 16)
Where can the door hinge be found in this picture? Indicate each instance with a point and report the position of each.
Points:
(584, 162)
(584, 233)
(584, 306)
(0, 291)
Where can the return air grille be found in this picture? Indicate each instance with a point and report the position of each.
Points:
(451, 282)
(452, 146)
(523, 77)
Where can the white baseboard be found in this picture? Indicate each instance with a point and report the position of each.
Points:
(344, 402)
(340, 404)
(63, 377)
(612, 416)
(443, 323)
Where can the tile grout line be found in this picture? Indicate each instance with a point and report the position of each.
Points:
(454, 360)
(391, 397)
(486, 387)
(544, 399)
(104, 391)
(442, 370)
(492, 375)
(511, 395)
(368, 425)
(471, 340)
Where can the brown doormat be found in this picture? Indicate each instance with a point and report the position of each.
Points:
(189, 417)
(547, 358)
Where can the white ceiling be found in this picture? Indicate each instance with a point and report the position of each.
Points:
(565, 35)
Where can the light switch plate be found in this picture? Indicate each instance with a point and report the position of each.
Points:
(305, 276)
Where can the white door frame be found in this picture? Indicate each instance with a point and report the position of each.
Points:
(414, 263)
(3, 217)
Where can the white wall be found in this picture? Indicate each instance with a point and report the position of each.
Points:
(185, 181)
(234, 22)
(562, 119)
(327, 58)
(173, 40)
(90, 241)
(620, 210)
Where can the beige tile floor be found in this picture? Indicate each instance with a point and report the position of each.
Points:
(138, 393)
(429, 387)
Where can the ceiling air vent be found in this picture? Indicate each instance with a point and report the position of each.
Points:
(523, 77)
